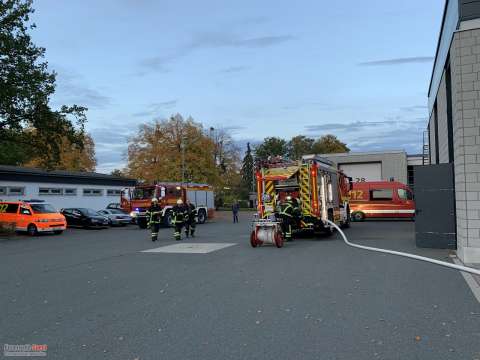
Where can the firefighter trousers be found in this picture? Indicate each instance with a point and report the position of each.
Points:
(177, 234)
(190, 226)
(154, 227)
(287, 222)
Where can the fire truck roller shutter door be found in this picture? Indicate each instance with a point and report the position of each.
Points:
(360, 172)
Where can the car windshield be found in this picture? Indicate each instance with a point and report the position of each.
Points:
(89, 212)
(115, 211)
(143, 193)
(43, 209)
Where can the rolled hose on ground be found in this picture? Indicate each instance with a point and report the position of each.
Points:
(399, 253)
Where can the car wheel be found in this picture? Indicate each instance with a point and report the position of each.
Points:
(358, 216)
(32, 230)
(202, 217)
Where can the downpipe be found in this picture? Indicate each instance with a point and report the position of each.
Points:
(407, 255)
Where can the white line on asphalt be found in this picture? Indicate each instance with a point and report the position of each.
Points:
(471, 282)
(190, 248)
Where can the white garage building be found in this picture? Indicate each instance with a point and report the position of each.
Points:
(62, 189)
(378, 165)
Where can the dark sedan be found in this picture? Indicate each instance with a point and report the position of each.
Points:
(84, 217)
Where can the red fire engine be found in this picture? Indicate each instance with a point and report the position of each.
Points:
(137, 200)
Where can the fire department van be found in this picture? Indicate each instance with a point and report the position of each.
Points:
(32, 216)
(381, 199)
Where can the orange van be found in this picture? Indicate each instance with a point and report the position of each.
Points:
(32, 217)
(381, 199)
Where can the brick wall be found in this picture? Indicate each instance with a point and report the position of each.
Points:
(465, 65)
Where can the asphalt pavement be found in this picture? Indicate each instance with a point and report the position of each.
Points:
(93, 294)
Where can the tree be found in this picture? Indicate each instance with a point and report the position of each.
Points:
(155, 153)
(298, 146)
(247, 170)
(26, 85)
(271, 146)
(117, 172)
(329, 144)
(71, 156)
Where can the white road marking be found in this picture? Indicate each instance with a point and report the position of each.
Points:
(190, 248)
(471, 282)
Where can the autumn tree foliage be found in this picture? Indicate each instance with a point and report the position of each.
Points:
(71, 156)
(155, 153)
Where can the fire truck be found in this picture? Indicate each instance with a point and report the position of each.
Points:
(314, 183)
(138, 199)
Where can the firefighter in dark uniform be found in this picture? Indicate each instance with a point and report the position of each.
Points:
(154, 216)
(178, 219)
(287, 211)
(191, 219)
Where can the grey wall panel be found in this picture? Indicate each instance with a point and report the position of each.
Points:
(442, 122)
(469, 9)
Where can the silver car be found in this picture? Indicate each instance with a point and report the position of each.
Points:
(116, 217)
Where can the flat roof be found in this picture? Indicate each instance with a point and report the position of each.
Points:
(27, 174)
(386, 152)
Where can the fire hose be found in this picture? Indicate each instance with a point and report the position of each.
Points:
(407, 255)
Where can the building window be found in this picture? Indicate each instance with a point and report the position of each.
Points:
(92, 192)
(113, 192)
(381, 194)
(50, 191)
(72, 192)
(3, 190)
(16, 190)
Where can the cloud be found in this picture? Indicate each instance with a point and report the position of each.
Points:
(413, 108)
(212, 40)
(352, 126)
(154, 109)
(398, 61)
(234, 69)
(72, 89)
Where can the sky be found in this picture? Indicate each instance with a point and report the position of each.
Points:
(357, 69)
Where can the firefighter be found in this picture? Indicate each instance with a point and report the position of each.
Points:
(178, 219)
(191, 219)
(154, 218)
(287, 211)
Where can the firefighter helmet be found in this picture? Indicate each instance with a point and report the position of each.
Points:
(289, 198)
(154, 200)
(179, 202)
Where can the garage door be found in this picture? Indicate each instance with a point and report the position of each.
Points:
(364, 171)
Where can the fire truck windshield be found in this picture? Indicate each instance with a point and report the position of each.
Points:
(143, 193)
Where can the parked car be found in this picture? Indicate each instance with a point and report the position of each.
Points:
(381, 199)
(84, 217)
(115, 206)
(116, 217)
(32, 217)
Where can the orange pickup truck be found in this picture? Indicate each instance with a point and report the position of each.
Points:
(381, 199)
(32, 217)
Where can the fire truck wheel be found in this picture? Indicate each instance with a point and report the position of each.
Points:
(358, 216)
(167, 219)
(253, 239)
(142, 223)
(202, 216)
(278, 239)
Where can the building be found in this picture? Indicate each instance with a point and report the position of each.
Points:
(454, 117)
(378, 165)
(61, 188)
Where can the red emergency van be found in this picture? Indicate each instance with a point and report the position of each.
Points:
(381, 199)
